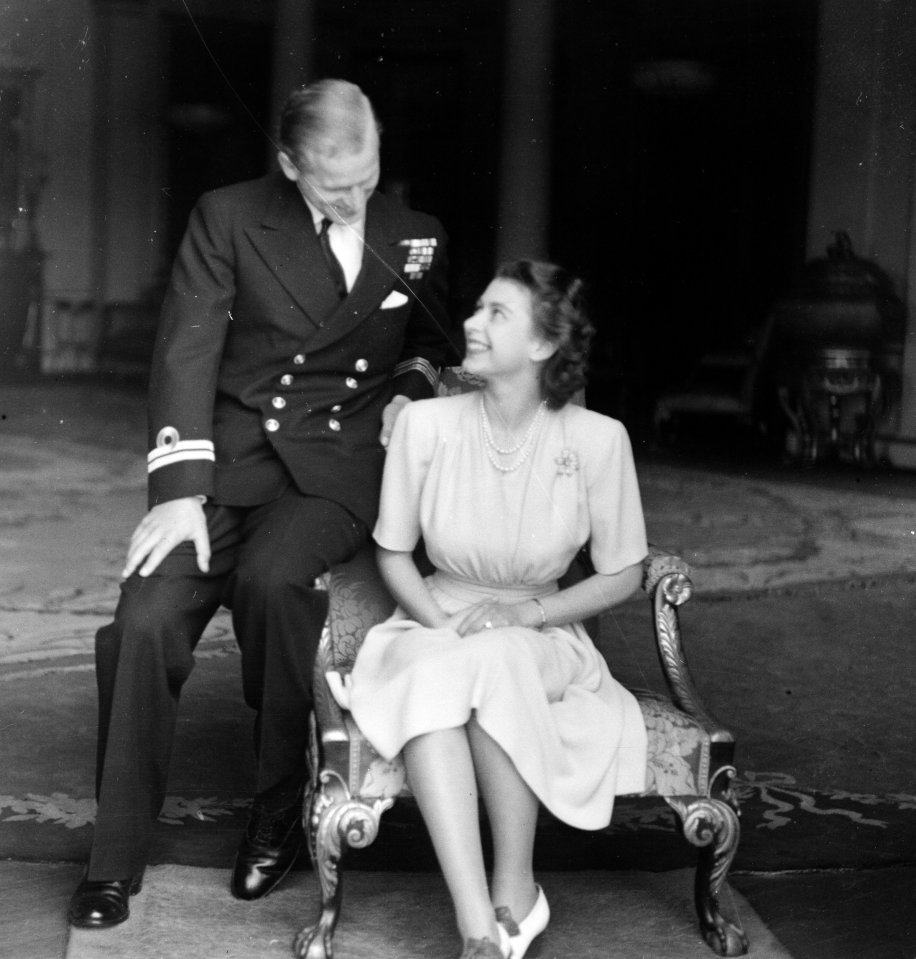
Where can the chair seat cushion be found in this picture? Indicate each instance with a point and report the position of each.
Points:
(679, 749)
(678, 755)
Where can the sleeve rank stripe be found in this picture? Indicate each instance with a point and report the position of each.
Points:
(180, 451)
(421, 365)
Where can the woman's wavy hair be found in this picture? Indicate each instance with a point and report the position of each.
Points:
(560, 316)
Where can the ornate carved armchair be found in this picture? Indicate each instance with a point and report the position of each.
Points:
(689, 760)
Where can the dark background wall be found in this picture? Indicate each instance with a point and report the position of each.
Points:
(701, 152)
(681, 176)
(216, 95)
(680, 155)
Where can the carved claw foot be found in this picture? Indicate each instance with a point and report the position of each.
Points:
(712, 825)
(314, 942)
(726, 939)
(336, 823)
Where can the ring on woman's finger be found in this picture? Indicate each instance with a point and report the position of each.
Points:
(488, 625)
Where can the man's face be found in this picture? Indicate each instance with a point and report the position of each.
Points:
(339, 186)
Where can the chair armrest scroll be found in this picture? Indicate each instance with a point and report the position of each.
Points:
(668, 585)
(668, 571)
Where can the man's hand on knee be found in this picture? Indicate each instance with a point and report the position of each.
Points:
(162, 529)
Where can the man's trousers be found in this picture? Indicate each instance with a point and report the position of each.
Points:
(264, 561)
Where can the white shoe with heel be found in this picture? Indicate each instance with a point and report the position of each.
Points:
(522, 934)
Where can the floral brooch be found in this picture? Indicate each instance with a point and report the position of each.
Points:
(568, 462)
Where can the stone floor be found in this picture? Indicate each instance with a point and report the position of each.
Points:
(71, 464)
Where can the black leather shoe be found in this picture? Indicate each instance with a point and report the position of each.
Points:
(267, 851)
(97, 905)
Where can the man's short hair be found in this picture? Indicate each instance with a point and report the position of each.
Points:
(326, 118)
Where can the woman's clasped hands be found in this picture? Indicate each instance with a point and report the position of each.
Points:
(491, 614)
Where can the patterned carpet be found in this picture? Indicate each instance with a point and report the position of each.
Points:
(789, 821)
(629, 916)
(799, 634)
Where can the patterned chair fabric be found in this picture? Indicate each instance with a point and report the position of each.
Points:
(678, 756)
(679, 746)
(689, 757)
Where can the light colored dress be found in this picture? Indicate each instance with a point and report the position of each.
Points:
(574, 733)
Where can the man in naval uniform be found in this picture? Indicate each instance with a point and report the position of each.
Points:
(304, 310)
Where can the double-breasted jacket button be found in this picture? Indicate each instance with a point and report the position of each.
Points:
(286, 379)
(278, 402)
(336, 408)
(271, 425)
(299, 359)
(362, 366)
(334, 425)
(352, 383)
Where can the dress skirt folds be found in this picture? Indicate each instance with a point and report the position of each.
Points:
(547, 697)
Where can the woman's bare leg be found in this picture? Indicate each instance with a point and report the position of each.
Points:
(512, 809)
(441, 775)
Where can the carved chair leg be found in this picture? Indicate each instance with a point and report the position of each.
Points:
(712, 825)
(335, 823)
(316, 941)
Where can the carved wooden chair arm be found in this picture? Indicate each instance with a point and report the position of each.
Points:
(659, 566)
(668, 584)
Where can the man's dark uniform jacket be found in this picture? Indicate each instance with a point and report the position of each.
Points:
(263, 381)
(261, 373)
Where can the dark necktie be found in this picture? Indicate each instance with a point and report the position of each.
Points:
(334, 267)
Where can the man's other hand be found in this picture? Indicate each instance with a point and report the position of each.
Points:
(162, 529)
(389, 415)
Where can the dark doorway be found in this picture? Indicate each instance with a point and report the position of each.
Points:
(216, 111)
(681, 178)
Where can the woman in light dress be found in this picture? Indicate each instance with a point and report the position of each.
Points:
(483, 677)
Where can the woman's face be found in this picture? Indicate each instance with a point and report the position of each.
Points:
(500, 336)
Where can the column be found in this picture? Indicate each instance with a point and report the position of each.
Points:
(293, 42)
(126, 150)
(526, 129)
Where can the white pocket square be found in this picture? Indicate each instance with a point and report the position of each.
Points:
(394, 299)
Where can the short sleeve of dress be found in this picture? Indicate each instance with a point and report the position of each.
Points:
(406, 465)
(618, 529)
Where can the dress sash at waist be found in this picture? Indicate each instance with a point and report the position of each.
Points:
(469, 592)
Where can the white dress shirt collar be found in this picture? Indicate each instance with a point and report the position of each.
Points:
(346, 242)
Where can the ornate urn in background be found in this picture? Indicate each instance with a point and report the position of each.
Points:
(833, 333)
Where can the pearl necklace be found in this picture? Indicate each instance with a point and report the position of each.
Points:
(524, 444)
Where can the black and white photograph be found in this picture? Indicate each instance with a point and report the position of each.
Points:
(457, 479)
